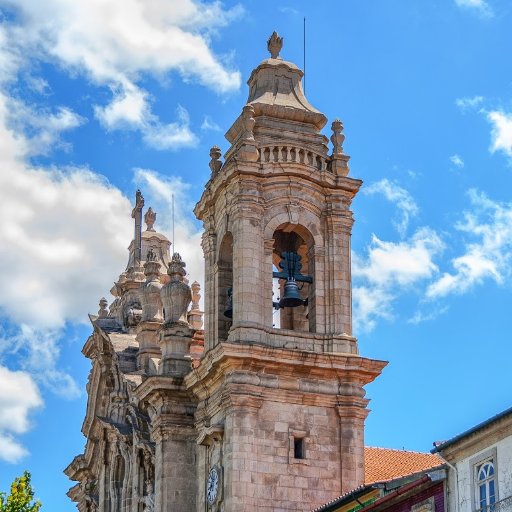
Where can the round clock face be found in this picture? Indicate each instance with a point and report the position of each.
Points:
(212, 485)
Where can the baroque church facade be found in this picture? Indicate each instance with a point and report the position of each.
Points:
(263, 408)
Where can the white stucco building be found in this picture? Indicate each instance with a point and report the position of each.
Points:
(480, 462)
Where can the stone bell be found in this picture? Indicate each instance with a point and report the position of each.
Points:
(228, 312)
(291, 297)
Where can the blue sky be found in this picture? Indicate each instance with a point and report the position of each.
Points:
(98, 98)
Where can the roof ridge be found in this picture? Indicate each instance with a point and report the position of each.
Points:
(398, 450)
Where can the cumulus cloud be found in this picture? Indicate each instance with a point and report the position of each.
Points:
(487, 252)
(42, 128)
(171, 136)
(479, 6)
(19, 396)
(388, 269)
(64, 236)
(457, 161)
(400, 197)
(501, 131)
(115, 42)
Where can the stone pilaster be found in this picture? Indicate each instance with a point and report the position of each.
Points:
(352, 415)
(172, 430)
(175, 470)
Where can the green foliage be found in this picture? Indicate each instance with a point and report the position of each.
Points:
(21, 497)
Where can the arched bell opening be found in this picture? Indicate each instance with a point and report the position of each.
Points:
(225, 287)
(292, 278)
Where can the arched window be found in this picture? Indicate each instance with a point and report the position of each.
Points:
(486, 484)
(224, 276)
(293, 303)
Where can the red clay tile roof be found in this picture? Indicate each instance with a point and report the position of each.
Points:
(382, 464)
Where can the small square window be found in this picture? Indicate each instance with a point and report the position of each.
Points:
(298, 448)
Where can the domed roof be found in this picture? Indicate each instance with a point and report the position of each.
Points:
(155, 234)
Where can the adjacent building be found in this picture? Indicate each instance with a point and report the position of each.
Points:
(480, 466)
(396, 481)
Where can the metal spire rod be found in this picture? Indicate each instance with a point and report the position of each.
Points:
(174, 247)
(304, 49)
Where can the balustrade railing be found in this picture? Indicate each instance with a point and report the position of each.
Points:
(504, 505)
(292, 154)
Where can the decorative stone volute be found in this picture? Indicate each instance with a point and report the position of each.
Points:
(176, 295)
(149, 219)
(152, 310)
(215, 163)
(274, 45)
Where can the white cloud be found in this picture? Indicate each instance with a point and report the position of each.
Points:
(422, 316)
(173, 135)
(457, 161)
(501, 132)
(390, 268)
(19, 395)
(479, 6)
(487, 253)
(65, 233)
(398, 196)
(469, 103)
(115, 42)
(129, 108)
(210, 125)
(42, 127)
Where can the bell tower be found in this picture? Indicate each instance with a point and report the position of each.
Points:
(280, 388)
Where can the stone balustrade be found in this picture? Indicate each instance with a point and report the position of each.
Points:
(292, 154)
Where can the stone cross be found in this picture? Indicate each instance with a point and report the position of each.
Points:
(137, 216)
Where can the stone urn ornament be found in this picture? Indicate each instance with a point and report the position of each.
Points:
(176, 294)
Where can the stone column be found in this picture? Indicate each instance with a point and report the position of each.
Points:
(338, 272)
(209, 243)
(248, 267)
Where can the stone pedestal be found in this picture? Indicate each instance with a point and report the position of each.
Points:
(149, 353)
(175, 340)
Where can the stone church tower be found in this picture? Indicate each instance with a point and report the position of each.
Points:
(269, 413)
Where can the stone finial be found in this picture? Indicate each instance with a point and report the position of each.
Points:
(195, 316)
(177, 268)
(176, 294)
(149, 219)
(103, 311)
(196, 297)
(274, 45)
(215, 163)
(337, 137)
(249, 122)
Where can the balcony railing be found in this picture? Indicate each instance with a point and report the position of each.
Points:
(504, 505)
